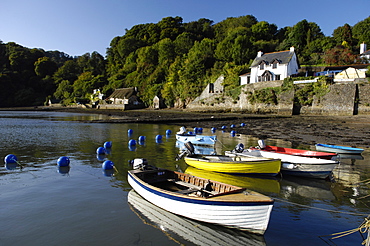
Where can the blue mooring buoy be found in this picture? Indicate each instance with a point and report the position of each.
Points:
(213, 129)
(232, 126)
(132, 142)
(10, 159)
(101, 151)
(233, 133)
(108, 165)
(63, 161)
(108, 144)
(242, 124)
(168, 132)
(130, 131)
(141, 138)
(223, 127)
(158, 137)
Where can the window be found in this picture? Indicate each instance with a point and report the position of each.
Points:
(211, 88)
(262, 66)
(274, 65)
(277, 77)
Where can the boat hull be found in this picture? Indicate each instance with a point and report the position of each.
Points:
(300, 152)
(243, 215)
(224, 164)
(320, 171)
(338, 149)
(296, 165)
(196, 139)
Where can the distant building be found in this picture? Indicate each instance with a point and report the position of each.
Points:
(123, 98)
(272, 66)
(158, 103)
(364, 54)
(350, 73)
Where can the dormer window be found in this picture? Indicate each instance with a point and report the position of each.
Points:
(275, 63)
(262, 65)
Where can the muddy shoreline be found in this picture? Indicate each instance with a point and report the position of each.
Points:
(300, 130)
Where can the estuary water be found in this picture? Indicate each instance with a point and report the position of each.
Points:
(41, 204)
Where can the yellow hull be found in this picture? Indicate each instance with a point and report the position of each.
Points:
(241, 165)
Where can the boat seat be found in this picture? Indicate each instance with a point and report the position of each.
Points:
(187, 191)
(191, 186)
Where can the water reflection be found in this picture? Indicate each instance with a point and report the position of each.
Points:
(183, 230)
(306, 188)
(264, 185)
(198, 149)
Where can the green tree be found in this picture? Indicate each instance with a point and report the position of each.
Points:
(44, 66)
(361, 31)
(343, 34)
(69, 71)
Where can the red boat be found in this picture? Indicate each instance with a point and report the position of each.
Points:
(297, 152)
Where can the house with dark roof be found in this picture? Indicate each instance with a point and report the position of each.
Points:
(271, 67)
(123, 98)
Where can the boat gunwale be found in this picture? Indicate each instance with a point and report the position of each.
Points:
(256, 159)
(310, 160)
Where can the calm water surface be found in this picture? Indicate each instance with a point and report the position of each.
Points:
(42, 205)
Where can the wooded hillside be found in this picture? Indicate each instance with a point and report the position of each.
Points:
(171, 59)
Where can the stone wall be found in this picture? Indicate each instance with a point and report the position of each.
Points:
(342, 99)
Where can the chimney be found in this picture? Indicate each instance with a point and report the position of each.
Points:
(362, 48)
(259, 53)
(291, 49)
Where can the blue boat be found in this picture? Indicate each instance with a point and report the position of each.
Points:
(196, 139)
(338, 149)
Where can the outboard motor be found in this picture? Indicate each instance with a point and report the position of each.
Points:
(239, 148)
(188, 151)
(261, 144)
(139, 163)
(182, 130)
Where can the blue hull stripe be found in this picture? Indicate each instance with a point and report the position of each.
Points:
(197, 201)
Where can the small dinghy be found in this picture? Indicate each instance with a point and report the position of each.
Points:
(253, 165)
(201, 199)
(338, 149)
(298, 152)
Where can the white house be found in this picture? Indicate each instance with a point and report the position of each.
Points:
(272, 66)
(364, 54)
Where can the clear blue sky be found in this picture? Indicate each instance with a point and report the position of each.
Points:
(76, 27)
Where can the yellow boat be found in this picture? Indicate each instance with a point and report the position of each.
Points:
(260, 184)
(235, 164)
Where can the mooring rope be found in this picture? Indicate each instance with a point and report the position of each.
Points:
(363, 228)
